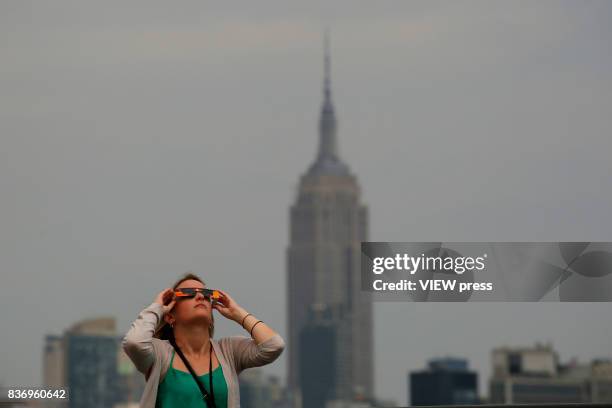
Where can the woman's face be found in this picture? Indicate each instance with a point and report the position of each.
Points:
(193, 310)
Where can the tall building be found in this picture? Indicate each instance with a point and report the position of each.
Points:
(91, 369)
(446, 381)
(327, 224)
(534, 375)
(54, 375)
(88, 359)
(53, 362)
(318, 358)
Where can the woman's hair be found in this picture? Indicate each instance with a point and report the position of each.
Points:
(165, 331)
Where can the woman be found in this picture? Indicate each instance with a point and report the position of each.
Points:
(180, 321)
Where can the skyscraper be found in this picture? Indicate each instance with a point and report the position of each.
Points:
(317, 358)
(88, 359)
(327, 224)
(91, 364)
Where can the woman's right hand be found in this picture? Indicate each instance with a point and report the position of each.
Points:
(166, 299)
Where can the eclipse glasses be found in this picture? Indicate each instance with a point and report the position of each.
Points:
(209, 294)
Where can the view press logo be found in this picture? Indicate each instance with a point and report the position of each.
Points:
(487, 271)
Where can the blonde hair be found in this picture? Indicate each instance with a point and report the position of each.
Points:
(165, 332)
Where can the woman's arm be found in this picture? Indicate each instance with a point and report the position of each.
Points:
(249, 354)
(260, 332)
(138, 342)
(262, 347)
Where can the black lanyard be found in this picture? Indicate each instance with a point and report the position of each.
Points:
(209, 399)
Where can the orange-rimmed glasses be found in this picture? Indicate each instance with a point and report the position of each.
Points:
(186, 293)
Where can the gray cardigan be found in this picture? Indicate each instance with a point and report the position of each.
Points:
(234, 353)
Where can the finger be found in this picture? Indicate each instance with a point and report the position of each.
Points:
(161, 294)
(228, 298)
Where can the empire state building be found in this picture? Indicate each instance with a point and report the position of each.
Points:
(329, 318)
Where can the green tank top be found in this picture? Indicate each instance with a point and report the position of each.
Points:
(178, 389)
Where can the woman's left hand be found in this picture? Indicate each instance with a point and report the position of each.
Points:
(228, 307)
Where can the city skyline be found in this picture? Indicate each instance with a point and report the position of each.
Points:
(539, 365)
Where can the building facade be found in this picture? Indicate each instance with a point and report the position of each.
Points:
(88, 360)
(446, 381)
(327, 224)
(318, 358)
(533, 375)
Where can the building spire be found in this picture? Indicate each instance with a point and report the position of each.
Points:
(327, 121)
(328, 160)
(326, 68)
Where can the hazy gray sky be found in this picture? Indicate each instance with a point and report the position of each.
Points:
(140, 140)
